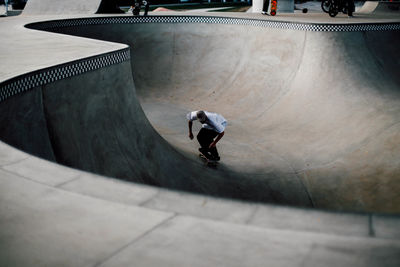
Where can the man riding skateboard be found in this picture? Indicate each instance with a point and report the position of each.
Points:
(213, 126)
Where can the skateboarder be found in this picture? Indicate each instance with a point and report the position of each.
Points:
(213, 129)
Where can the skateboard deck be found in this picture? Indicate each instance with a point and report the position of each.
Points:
(208, 161)
(274, 4)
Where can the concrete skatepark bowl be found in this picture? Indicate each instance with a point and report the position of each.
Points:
(313, 114)
(309, 121)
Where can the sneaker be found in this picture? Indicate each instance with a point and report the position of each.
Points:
(205, 153)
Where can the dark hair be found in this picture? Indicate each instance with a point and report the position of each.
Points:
(201, 115)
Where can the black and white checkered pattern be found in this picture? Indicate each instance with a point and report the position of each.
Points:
(218, 20)
(45, 76)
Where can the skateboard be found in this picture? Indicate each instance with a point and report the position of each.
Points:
(208, 162)
(274, 4)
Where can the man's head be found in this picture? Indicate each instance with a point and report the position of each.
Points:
(201, 115)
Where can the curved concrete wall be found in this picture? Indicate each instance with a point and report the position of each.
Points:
(317, 117)
(53, 215)
(23, 108)
(380, 7)
(95, 123)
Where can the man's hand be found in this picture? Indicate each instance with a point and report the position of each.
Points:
(214, 143)
(190, 123)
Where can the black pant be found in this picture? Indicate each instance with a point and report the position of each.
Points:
(265, 6)
(350, 7)
(205, 138)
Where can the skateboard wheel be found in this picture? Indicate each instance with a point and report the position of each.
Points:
(273, 13)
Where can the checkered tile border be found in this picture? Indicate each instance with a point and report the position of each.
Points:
(45, 76)
(217, 20)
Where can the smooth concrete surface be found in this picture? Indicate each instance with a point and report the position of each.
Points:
(369, 7)
(388, 7)
(28, 57)
(376, 7)
(24, 115)
(72, 7)
(309, 119)
(52, 7)
(381, 7)
(54, 215)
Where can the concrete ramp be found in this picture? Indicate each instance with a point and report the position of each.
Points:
(313, 117)
(70, 7)
(318, 106)
(380, 7)
(368, 7)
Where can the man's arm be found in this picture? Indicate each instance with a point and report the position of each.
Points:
(190, 124)
(219, 136)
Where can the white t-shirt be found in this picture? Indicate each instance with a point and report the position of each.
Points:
(214, 121)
